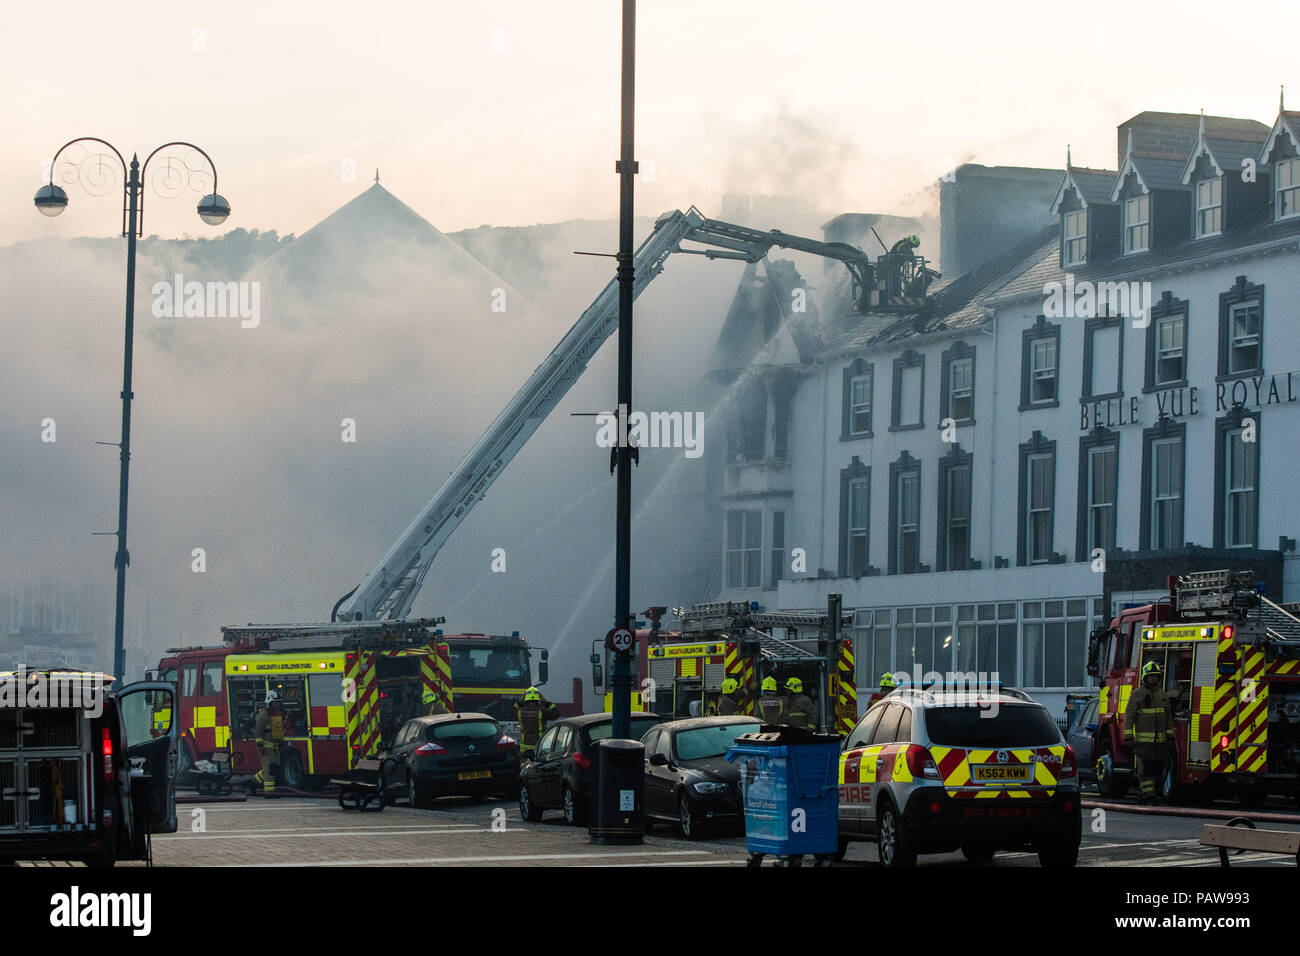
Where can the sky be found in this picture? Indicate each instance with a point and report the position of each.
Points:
(507, 112)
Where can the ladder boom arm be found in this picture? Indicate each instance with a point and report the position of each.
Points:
(390, 588)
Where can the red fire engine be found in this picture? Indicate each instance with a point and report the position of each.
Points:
(343, 689)
(680, 672)
(1231, 664)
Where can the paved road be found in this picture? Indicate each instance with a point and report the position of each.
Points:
(295, 831)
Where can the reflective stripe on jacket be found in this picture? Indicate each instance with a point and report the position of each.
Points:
(799, 711)
(1147, 719)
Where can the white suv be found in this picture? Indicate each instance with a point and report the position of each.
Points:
(934, 772)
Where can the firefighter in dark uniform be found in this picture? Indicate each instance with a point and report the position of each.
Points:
(268, 731)
(901, 279)
(770, 704)
(431, 704)
(1148, 727)
(904, 246)
(729, 702)
(533, 712)
(799, 709)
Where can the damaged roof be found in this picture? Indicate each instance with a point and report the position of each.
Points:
(960, 304)
(759, 325)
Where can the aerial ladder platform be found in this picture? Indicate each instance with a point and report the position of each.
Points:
(387, 592)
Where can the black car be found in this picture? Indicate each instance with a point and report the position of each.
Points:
(450, 754)
(555, 777)
(687, 779)
(1079, 737)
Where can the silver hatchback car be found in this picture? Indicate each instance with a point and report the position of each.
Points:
(979, 771)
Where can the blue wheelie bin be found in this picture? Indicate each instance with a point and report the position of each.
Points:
(789, 782)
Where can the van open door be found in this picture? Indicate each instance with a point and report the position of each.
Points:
(148, 712)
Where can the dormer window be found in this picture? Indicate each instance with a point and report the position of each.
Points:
(1288, 188)
(1209, 207)
(1075, 237)
(1137, 224)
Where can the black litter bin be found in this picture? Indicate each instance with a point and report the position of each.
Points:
(617, 813)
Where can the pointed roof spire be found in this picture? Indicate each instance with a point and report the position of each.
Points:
(376, 175)
(1201, 131)
(1128, 150)
(1067, 156)
(1281, 98)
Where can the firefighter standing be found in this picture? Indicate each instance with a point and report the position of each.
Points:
(1148, 721)
(901, 278)
(887, 686)
(729, 702)
(431, 704)
(532, 713)
(799, 709)
(268, 729)
(770, 704)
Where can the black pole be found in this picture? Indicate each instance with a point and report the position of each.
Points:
(830, 662)
(621, 680)
(123, 557)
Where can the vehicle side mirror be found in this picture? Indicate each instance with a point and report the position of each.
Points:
(658, 760)
(543, 672)
(597, 674)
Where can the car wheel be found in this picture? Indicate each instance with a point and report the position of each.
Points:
(1060, 854)
(895, 848)
(1109, 783)
(291, 772)
(649, 824)
(575, 814)
(977, 852)
(527, 809)
(690, 826)
(841, 850)
(415, 794)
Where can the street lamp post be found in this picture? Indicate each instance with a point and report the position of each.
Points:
(622, 679)
(95, 173)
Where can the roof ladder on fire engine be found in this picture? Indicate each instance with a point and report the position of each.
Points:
(742, 622)
(1233, 594)
(345, 635)
(1283, 627)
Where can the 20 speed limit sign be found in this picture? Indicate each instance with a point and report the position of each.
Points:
(620, 639)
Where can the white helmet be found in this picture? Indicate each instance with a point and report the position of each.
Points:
(271, 697)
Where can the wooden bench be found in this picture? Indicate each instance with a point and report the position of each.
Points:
(363, 788)
(1240, 834)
